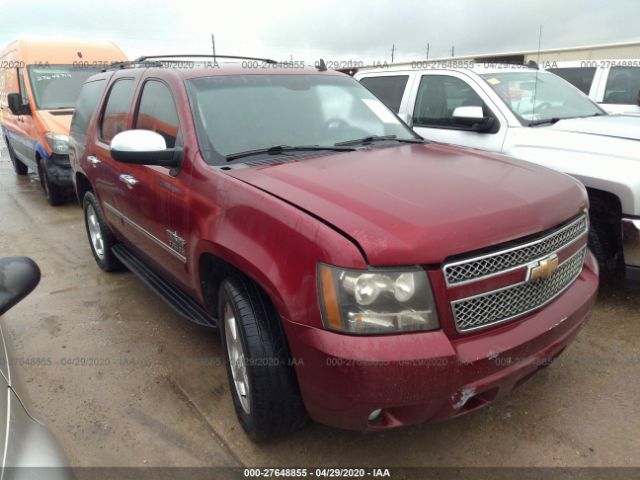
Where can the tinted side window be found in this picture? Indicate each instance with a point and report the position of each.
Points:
(623, 85)
(87, 102)
(438, 96)
(114, 118)
(579, 77)
(388, 89)
(158, 112)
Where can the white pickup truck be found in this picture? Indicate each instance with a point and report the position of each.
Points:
(613, 84)
(535, 116)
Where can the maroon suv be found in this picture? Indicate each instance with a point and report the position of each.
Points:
(358, 274)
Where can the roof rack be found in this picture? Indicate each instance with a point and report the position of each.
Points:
(158, 60)
(235, 57)
(119, 65)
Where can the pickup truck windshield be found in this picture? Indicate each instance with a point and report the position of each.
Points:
(242, 113)
(537, 96)
(57, 86)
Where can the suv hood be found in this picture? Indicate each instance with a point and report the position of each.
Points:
(418, 204)
(619, 126)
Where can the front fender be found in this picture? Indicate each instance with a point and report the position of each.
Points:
(274, 243)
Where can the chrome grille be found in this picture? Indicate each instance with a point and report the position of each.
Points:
(510, 302)
(479, 267)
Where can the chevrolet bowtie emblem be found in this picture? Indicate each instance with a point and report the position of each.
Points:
(544, 268)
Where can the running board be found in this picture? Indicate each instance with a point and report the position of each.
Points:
(179, 301)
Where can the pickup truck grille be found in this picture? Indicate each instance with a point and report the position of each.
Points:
(470, 270)
(510, 302)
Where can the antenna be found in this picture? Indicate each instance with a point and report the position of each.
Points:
(535, 87)
(393, 51)
(453, 50)
(213, 47)
(427, 51)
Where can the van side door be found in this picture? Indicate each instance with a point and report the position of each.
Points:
(20, 127)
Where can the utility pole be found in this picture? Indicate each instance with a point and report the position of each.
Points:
(393, 51)
(428, 51)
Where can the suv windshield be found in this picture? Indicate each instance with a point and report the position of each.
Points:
(537, 96)
(57, 86)
(242, 113)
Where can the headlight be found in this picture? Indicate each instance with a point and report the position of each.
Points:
(376, 301)
(58, 143)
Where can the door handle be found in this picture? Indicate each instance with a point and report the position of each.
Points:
(93, 160)
(129, 180)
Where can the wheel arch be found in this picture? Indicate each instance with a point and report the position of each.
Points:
(215, 263)
(82, 185)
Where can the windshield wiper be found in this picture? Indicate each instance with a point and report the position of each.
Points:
(379, 138)
(553, 120)
(544, 121)
(276, 149)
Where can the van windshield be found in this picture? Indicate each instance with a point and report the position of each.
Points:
(536, 96)
(240, 113)
(57, 86)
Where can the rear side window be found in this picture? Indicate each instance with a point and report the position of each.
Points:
(158, 112)
(623, 86)
(438, 96)
(389, 89)
(114, 118)
(579, 77)
(87, 102)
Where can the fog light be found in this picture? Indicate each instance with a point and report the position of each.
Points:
(373, 416)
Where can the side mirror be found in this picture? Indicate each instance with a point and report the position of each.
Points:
(406, 118)
(16, 106)
(473, 117)
(18, 277)
(638, 99)
(144, 147)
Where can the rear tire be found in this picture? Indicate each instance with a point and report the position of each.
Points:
(56, 195)
(101, 240)
(258, 361)
(18, 167)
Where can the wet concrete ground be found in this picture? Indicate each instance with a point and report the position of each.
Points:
(123, 381)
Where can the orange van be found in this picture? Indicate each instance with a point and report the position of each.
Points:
(39, 84)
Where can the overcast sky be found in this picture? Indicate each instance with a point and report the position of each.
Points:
(332, 29)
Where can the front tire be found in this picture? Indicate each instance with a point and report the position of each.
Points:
(101, 240)
(261, 376)
(56, 195)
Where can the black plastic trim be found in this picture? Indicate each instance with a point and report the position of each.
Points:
(180, 302)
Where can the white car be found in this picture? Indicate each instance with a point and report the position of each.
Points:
(614, 84)
(536, 116)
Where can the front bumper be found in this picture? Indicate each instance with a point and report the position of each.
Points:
(631, 247)
(59, 170)
(427, 376)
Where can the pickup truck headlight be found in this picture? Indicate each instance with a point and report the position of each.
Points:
(58, 142)
(370, 302)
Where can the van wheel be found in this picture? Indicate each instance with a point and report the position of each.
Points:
(55, 194)
(261, 376)
(100, 237)
(18, 167)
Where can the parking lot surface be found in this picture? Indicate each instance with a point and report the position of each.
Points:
(123, 381)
